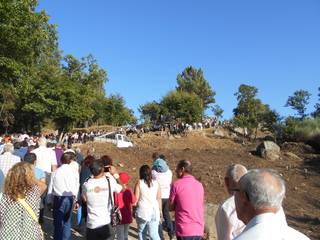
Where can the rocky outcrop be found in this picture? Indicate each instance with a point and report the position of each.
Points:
(269, 150)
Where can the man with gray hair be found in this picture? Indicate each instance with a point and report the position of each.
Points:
(46, 158)
(7, 159)
(258, 199)
(227, 223)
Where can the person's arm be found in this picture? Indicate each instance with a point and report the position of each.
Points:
(50, 189)
(137, 191)
(159, 199)
(42, 185)
(171, 198)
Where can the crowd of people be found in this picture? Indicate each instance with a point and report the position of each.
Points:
(34, 176)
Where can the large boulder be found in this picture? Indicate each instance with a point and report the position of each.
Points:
(269, 150)
(219, 132)
(210, 226)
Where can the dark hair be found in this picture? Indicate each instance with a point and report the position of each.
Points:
(186, 165)
(96, 167)
(17, 145)
(67, 157)
(155, 155)
(24, 143)
(107, 160)
(30, 158)
(162, 156)
(145, 174)
(88, 160)
(31, 148)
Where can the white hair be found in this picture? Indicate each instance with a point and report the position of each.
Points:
(8, 148)
(264, 188)
(236, 171)
(42, 141)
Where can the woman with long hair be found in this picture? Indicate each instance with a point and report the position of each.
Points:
(20, 203)
(147, 192)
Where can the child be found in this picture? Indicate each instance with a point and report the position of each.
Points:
(124, 200)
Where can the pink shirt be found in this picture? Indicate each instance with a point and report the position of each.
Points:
(187, 195)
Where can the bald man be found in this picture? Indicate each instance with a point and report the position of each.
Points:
(258, 200)
(227, 223)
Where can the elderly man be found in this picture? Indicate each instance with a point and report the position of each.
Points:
(187, 200)
(7, 159)
(227, 223)
(46, 158)
(258, 199)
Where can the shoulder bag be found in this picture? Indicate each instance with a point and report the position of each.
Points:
(115, 214)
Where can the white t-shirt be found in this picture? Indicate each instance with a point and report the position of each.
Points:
(45, 158)
(96, 191)
(164, 179)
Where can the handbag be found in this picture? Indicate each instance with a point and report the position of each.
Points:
(115, 214)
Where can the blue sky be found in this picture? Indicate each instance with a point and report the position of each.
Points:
(143, 45)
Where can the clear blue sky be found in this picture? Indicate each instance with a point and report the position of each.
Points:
(143, 45)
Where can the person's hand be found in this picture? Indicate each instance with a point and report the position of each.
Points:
(112, 170)
(76, 206)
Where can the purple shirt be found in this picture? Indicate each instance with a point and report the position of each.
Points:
(59, 153)
(187, 195)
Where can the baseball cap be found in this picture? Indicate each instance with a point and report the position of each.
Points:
(123, 177)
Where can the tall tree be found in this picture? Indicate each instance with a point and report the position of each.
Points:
(217, 111)
(246, 114)
(183, 106)
(117, 113)
(151, 112)
(316, 113)
(299, 101)
(191, 80)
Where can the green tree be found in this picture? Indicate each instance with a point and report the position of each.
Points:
(151, 112)
(117, 113)
(316, 113)
(249, 108)
(298, 102)
(181, 105)
(191, 80)
(27, 40)
(217, 111)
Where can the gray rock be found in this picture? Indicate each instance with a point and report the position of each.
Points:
(292, 155)
(219, 132)
(210, 226)
(269, 150)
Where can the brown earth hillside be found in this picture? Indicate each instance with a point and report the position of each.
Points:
(210, 156)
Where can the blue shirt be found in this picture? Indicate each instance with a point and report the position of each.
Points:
(39, 173)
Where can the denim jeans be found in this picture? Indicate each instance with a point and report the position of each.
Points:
(151, 226)
(105, 232)
(62, 211)
(167, 217)
(122, 231)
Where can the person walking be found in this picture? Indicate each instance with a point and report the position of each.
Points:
(147, 192)
(19, 204)
(124, 200)
(163, 175)
(95, 192)
(63, 192)
(187, 200)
